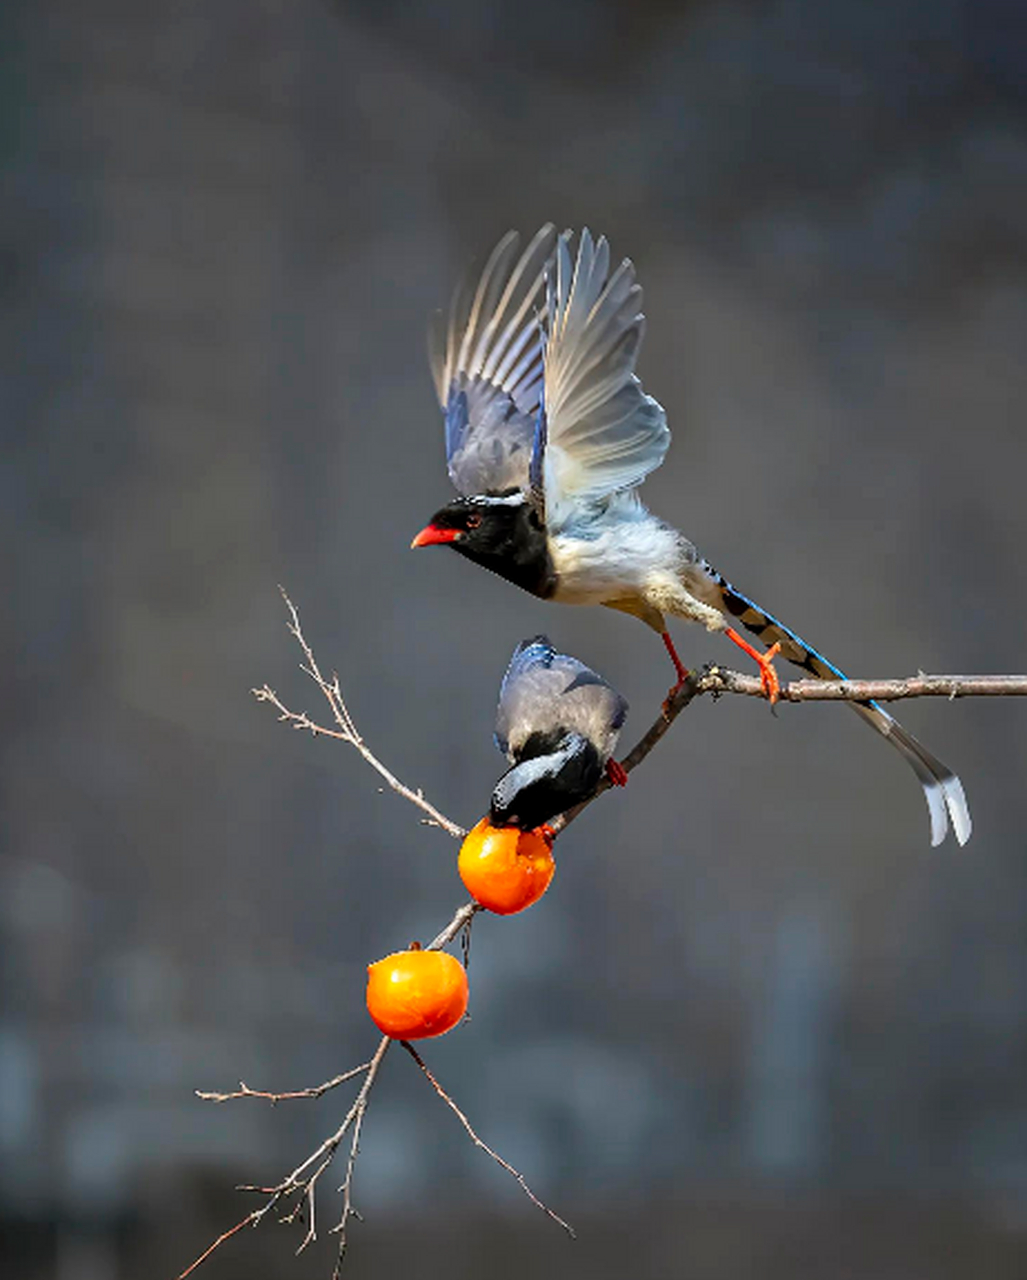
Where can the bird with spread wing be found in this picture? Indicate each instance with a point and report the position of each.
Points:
(548, 436)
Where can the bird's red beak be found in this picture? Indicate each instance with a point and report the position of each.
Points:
(431, 534)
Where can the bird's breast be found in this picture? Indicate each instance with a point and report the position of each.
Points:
(613, 562)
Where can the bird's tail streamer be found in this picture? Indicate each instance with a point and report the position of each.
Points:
(946, 800)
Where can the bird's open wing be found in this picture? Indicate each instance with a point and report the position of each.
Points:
(547, 693)
(601, 433)
(486, 359)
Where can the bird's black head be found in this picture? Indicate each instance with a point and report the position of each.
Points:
(501, 532)
(537, 789)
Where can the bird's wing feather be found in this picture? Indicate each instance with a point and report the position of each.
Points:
(545, 692)
(486, 359)
(602, 432)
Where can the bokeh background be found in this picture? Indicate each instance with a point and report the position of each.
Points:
(757, 1028)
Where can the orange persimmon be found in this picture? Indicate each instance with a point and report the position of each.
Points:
(413, 994)
(504, 868)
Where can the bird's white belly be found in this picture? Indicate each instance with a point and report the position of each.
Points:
(643, 561)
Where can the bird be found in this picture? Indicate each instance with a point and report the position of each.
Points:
(548, 437)
(557, 724)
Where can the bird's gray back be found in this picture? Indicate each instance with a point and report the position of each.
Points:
(548, 693)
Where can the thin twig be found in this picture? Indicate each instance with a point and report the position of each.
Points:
(300, 1180)
(225, 1235)
(518, 1177)
(347, 730)
(316, 1091)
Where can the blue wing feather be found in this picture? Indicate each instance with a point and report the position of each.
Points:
(536, 468)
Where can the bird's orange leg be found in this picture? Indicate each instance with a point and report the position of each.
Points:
(616, 773)
(768, 676)
(679, 667)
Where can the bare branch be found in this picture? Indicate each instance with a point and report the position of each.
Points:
(518, 1177)
(346, 730)
(716, 680)
(244, 1090)
(297, 1180)
(302, 1181)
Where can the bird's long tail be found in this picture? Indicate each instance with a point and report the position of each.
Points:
(946, 801)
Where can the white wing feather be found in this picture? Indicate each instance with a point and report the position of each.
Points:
(604, 434)
(486, 360)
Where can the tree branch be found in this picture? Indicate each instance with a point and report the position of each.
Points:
(716, 680)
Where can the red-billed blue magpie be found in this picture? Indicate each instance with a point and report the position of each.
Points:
(557, 724)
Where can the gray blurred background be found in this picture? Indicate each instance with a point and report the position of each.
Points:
(757, 1028)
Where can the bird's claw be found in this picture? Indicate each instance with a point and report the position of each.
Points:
(616, 773)
(769, 679)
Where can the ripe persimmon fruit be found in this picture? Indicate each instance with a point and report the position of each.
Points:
(414, 994)
(504, 868)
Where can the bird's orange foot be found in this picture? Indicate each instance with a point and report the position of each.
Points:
(769, 678)
(616, 773)
(765, 661)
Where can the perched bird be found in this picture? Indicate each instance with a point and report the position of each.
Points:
(557, 724)
(548, 436)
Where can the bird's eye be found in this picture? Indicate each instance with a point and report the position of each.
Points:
(473, 521)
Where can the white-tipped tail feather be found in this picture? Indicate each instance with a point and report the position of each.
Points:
(946, 800)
